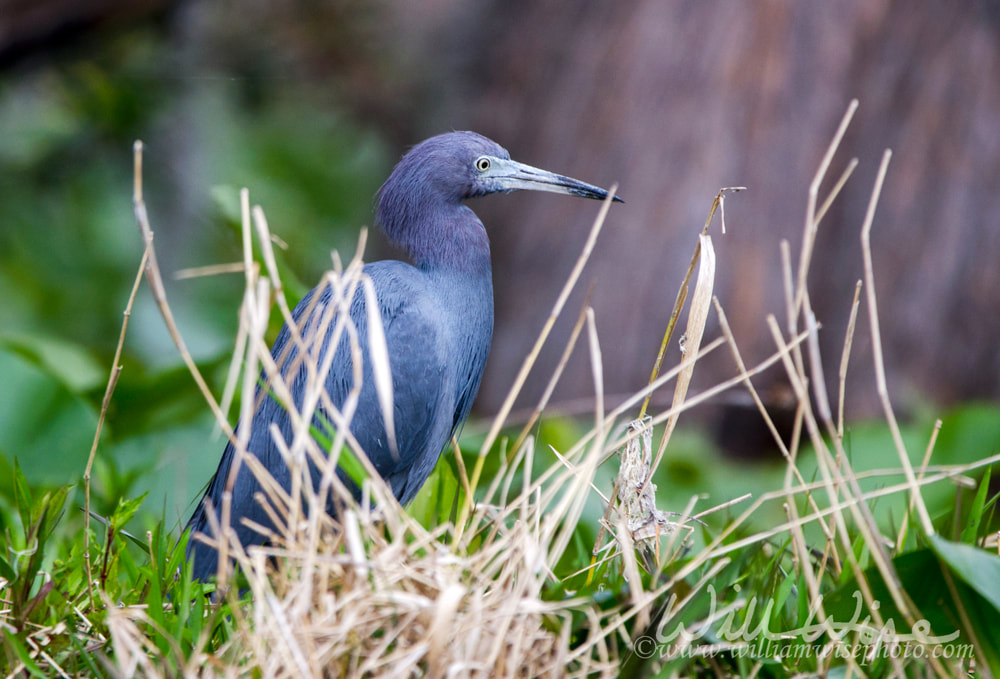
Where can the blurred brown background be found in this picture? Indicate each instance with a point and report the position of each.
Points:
(677, 99)
(671, 100)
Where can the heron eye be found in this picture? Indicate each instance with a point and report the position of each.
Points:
(482, 163)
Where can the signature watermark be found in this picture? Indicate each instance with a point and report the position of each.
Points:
(860, 638)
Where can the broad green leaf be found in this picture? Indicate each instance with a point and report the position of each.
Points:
(6, 571)
(919, 574)
(978, 568)
(42, 423)
(436, 502)
(69, 363)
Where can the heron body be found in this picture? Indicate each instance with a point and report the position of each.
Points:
(437, 316)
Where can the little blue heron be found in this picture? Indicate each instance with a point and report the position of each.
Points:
(437, 316)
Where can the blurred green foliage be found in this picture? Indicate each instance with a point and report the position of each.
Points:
(69, 248)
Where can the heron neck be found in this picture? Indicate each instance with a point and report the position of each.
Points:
(447, 239)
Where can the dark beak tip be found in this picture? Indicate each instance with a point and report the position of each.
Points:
(616, 199)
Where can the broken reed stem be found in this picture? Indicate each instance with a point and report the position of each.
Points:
(701, 304)
(845, 357)
(812, 222)
(116, 369)
(681, 297)
(160, 295)
(880, 381)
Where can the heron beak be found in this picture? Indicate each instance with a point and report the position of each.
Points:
(513, 176)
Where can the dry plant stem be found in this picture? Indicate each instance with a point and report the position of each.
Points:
(812, 222)
(966, 623)
(557, 373)
(502, 415)
(741, 366)
(617, 444)
(344, 289)
(671, 323)
(116, 369)
(714, 510)
(883, 390)
(599, 427)
(682, 293)
(240, 348)
(303, 347)
(797, 301)
(609, 450)
(565, 515)
(845, 358)
(786, 278)
(789, 493)
(381, 374)
(233, 372)
(835, 482)
(690, 403)
(904, 524)
(701, 303)
(463, 474)
(254, 308)
(835, 191)
(160, 295)
(796, 373)
(210, 270)
(816, 366)
(803, 556)
(529, 362)
(630, 570)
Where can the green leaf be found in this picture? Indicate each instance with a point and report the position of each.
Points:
(227, 202)
(43, 424)
(781, 595)
(69, 363)
(116, 527)
(22, 496)
(978, 568)
(55, 505)
(124, 512)
(6, 572)
(88, 659)
(23, 655)
(970, 532)
(438, 499)
(348, 461)
(919, 574)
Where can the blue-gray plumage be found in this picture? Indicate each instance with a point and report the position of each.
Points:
(437, 316)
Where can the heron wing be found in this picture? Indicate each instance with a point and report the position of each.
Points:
(422, 381)
(423, 413)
